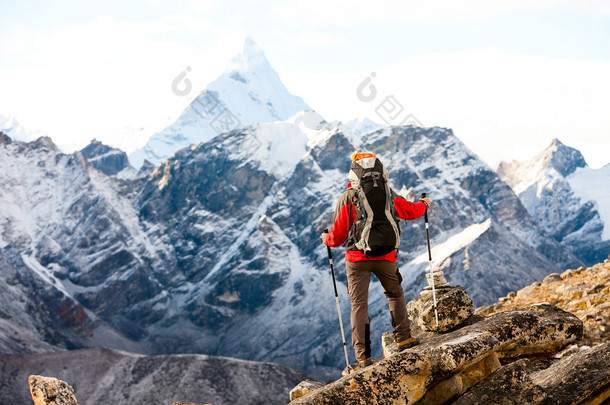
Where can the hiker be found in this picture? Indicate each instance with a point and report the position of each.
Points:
(372, 241)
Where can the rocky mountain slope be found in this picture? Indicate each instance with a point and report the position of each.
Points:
(567, 199)
(103, 376)
(222, 240)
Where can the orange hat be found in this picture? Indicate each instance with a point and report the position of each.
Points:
(362, 155)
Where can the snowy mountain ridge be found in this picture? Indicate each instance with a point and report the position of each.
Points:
(279, 146)
(13, 128)
(359, 126)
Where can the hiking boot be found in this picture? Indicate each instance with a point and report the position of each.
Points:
(365, 363)
(407, 343)
(357, 366)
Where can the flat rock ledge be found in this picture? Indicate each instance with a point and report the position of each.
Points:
(442, 368)
(51, 391)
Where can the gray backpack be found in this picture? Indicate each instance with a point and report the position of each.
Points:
(375, 231)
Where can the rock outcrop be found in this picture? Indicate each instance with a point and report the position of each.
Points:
(583, 292)
(580, 377)
(106, 159)
(454, 306)
(304, 388)
(51, 391)
(442, 368)
(103, 376)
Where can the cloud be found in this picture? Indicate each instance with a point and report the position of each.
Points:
(93, 78)
(87, 80)
(503, 105)
(357, 12)
(508, 105)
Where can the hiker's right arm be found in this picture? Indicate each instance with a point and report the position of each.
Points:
(340, 229)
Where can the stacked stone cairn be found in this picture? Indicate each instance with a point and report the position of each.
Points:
(453, 306)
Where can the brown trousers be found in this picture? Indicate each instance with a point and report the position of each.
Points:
(358, 278)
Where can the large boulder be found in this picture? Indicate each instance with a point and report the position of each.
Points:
(582, 377)
(510, 385)
(51, 391)
(399, 379)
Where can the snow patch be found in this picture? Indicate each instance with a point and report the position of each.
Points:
(279, 146)
(455, 243)
(360, 126)
(594, 185)
(43, 273)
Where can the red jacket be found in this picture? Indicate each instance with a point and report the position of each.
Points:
(339, 231)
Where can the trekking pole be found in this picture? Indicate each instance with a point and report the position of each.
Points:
(423, 195)
(332, 271)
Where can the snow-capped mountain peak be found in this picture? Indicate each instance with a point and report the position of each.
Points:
(555, 161)
(249, 91)
(566, 197)
(359, 126)
(251, 58)
(563, 158)
(250, 81)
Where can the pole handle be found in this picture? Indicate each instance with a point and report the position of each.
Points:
(423, 195)
(332, 267)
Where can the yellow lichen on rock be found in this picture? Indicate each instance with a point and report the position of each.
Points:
(583, 292)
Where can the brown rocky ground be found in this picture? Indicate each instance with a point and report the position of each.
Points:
(585, 292)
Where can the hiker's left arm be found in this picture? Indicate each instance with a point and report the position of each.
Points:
(408, 210)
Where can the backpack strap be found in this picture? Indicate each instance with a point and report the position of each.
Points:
(393, 216)
(363, 244)
(352, 225)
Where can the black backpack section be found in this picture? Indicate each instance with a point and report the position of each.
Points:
(375, 231)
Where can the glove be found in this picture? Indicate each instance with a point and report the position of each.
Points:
(324, 237)
(426, 201)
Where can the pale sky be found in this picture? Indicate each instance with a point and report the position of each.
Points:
(507, 77)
